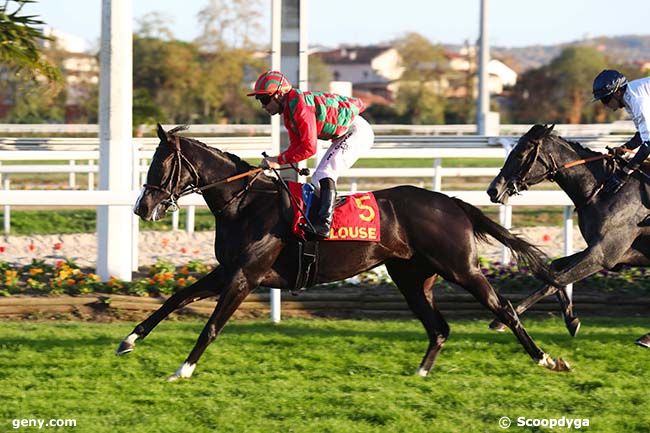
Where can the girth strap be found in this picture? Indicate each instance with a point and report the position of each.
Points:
(307, 265)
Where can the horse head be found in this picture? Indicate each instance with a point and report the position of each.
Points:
(170, 175)
(524, 167)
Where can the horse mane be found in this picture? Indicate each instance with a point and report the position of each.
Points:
(539, 131)
(240, 164)
(577, 147)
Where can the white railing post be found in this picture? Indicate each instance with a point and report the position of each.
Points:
(189, 219)
(91, 175)
(7, 208)
(72, 176)
(437, 177)
(568, 241)
(354, 187)
(175, 218)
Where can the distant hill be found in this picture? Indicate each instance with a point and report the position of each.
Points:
(621, 49)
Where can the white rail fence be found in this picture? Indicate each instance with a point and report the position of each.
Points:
(265, 129)
(434, 148)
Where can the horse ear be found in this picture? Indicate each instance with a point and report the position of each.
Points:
(550, 129)
(161, 132)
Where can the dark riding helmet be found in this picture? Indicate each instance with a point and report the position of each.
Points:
(608, 82)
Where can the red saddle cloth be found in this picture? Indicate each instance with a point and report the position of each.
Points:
(356, 219)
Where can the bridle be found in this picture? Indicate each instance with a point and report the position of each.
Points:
(520, 182)
(174, 179)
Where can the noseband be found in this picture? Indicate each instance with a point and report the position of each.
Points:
(521, 181)
(174, 179)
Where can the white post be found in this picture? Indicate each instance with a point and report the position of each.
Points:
(189, 219)
(568, 241)
(91, 175)
(72, 176)
(114, 223)
(276, 59)
(437, 177)
(135, 220)
(175, 217)
(7, 208)
(354, 186)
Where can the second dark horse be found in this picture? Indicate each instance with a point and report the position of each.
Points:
(615, 227)
(424, 234)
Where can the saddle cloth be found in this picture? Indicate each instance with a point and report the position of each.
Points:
(356, 216)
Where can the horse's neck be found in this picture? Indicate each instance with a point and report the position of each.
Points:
(579, 181)
(214, 169)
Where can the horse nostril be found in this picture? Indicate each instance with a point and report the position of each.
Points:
(492, 192)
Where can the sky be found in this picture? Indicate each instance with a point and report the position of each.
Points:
(512, 23)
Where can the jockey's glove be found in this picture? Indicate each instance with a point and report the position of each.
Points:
(639, 157)
(618, 179)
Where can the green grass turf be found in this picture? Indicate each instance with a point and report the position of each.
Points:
(322, 376)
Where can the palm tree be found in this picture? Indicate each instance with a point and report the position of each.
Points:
(19, 42)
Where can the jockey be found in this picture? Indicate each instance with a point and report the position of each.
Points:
(614, 91)
(309, 116)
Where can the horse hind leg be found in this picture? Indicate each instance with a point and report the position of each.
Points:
(477, 285)
(417, 288)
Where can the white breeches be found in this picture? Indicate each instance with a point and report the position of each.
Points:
(345, 151)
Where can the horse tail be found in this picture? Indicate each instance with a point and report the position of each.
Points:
(522, 250)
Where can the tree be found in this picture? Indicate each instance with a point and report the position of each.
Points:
(575, 68)
(227, 49)
(320, 75)
(170, 74)
(19, 42)
(418, 97)
(560, 91)
(418, 103)
(229, 24)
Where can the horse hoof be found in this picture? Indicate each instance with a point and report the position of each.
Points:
(422, 372)
(573, 325)
(127, 345)
(124, 348)
(184, 372)
(554, 364)
(561, 365)
(497, 326)
(644, 341)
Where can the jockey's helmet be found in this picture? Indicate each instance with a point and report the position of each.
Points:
(271, 83)
(608, 82)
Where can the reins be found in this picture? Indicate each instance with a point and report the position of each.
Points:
(175, 177)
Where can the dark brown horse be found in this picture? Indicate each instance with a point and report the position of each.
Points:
(423, 234)
(615, 227)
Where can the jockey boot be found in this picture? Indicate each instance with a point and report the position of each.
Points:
(323, 220)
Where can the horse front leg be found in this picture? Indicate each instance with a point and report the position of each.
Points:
(567, 270)
(205, 287)
(231, 298)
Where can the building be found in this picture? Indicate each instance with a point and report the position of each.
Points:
(372, 69)
(80, 70)
(377, 70)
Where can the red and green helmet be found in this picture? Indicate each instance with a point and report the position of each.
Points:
(271, 83)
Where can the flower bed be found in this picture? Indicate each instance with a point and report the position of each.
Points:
(164, 278)
(65, 277)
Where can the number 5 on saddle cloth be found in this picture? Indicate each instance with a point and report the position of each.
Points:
(356, 218)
